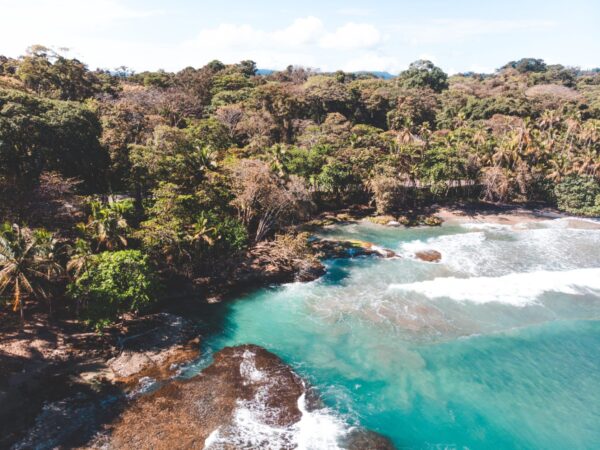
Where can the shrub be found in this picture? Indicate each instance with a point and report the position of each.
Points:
(114, 283)
(578, 194)
(388, 192)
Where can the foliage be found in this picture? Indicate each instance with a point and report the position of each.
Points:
(217, 158)
(46, 72)
(424, 74)
(27, 264)
(37, 134)
(265, 201)
(579, 195)
(114, 283)
(107, 224)
(182, 231)
(172, 155)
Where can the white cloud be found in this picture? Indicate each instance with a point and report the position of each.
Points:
(373, 61)
(61, 23)
(446, 30)
(352, 36)
(109, 33)
(302, 42)
(70, 13)
(301, 32)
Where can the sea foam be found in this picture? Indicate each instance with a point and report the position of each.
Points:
(253, 420)
(518, 289)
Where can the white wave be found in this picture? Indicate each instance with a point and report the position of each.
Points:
(319, 429)
(463, 252)
(251, 428)
(572, 222)
(486, 226)
(252, 425)
(248, 369)
(518, 289)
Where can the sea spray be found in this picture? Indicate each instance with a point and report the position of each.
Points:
(253, 421)
(517, 289)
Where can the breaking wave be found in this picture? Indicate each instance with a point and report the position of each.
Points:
(253, 422)
(518, 289)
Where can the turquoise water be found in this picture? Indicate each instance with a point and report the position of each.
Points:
(498, 346)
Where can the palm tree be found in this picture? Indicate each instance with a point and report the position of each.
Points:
(588, 162)
(559, 167)
(81, 254)
(27, 262)
(108, 225)
(203, 232)
(206, 158)
(277, 155)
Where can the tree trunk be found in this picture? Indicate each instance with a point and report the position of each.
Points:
(19, 301)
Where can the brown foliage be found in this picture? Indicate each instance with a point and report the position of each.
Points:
(265, 201)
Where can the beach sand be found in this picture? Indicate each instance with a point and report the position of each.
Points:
(510, 215)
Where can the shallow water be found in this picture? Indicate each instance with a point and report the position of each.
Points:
(497, 346)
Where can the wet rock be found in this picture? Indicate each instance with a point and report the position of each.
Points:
(285, 259)
(334, 249)
(247, 398)
(183, 414)
(385, 252)
(156, 350)
(360, 439)
(71, 421)
(429, 255)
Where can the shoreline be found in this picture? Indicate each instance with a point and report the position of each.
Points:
(70, 356)
(511, 215)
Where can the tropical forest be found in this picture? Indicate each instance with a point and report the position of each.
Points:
(142, 209)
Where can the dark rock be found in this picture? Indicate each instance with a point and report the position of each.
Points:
(247, 398)
(360, 439)
(156, 350)
(386, 252)
(56, 389)
(264, 264)
(334, 249)
(183, 414)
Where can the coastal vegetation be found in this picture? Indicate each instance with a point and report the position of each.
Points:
(114, 182)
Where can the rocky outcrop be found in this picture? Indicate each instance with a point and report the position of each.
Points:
(285, 259)
(429, 255)
(247, 398)
(333, 249)
(157, 351)
(184, 414)
(57, 389)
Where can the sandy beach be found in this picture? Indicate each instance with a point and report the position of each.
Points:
(511, 215)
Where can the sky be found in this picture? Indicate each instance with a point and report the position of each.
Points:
(376, 35)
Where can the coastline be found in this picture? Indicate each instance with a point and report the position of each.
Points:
(510, 215)
(95, 361)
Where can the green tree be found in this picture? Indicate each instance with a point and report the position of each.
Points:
(173, 155)
(47, 72)
(115, 283)
(107, 224)
(27, 264)
(424, 74)
(578, 194)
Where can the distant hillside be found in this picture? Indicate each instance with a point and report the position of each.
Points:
(384, 75)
